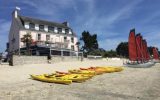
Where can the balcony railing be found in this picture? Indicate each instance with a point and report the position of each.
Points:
(49, 44)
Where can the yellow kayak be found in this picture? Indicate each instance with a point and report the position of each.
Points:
(73, 77)
(66, 73)
(111, 69)
(86, 72)
(118, 69)
(51, 79)
(76, 77)
(98, 71)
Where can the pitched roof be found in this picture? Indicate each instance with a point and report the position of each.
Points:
(42, 22)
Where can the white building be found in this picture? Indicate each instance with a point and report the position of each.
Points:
(47, 36)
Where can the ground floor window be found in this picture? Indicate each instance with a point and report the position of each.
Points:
(47, 37)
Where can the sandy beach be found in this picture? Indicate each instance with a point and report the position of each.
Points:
(130, 84)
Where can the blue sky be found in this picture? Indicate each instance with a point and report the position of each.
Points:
(111, 20)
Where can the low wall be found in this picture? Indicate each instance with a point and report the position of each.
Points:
(65, 59)
(21, 60)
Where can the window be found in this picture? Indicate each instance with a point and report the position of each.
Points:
(41, 27)
(39, 37)
(72, 39)
(50, 29)
(47, 37)
(72, 47)
(66, 31)
(59, 30)
(31, 26)
(65, 38)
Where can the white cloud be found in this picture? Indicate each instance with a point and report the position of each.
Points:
(109, 44)
(102, 24)
(90, 19)
(49, 7)
(153, 38)
(122, 13)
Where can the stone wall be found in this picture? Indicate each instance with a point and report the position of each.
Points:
(65, 59)
(21, 60)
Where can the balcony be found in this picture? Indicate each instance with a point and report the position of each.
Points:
(49, 44)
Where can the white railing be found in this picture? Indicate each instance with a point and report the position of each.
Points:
(50, 44)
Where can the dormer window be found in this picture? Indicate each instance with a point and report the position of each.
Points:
(66, 31)
(31, 26)
(70, 32)
(59, 30)
(41, 27)
(50, 29)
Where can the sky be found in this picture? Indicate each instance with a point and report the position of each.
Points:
(111, 20)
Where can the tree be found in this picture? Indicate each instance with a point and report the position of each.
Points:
(97, 52)
(27, 40)
(122, 49)
(150, 49)
(90, 42)
(110, 53)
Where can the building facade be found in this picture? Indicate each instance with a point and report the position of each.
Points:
(47, 37)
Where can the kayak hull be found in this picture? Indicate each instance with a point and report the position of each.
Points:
(141, 65)
(156, 61)
(73, 77)
(111, 69)
(85, 72)
(97, 71)
(76, 77)
(51, 79)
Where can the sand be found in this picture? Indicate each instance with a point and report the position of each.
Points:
(130, 84)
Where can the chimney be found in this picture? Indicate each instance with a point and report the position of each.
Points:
(15, 12)
(66, 23)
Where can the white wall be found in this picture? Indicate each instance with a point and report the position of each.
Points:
(46, 28)
(53, 37)
(70, 32)
(63, 30)
(36, 27)
(75, 46)
(55, 30)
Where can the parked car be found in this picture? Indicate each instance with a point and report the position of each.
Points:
(4, 56)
